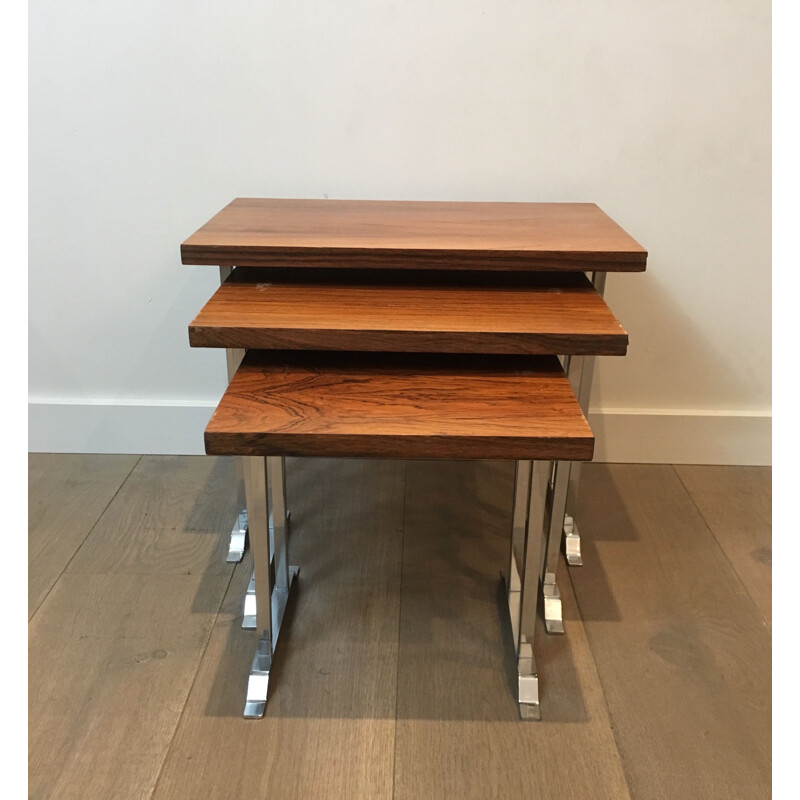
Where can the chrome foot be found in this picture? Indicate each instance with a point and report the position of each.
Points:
(238, 538)
(553, 620)
(525, 566)
(249, 613)
(572, 542)
(249, 620)
(258, 682)
(528, 683)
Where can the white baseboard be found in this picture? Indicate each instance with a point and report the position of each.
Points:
(157, 428)
(643, 436)
(658, 436)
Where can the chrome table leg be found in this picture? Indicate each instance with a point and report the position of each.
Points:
(249, 611)
(238, 541)
(580, 371)
(526, 560)
(557, 497)
(249, 617)
(572, 540)
(249, 614)
(272, 574)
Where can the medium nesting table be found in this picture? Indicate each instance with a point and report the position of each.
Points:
(410, 330)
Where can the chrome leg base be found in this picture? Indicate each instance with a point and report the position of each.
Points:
(258, 682)
(572, 542)
(528, 683)
(525, 568)
(249, 619)
(527, 676)
(249, 615)
(238, 541)
(553, 619)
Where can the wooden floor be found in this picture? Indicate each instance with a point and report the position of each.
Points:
(394, 677)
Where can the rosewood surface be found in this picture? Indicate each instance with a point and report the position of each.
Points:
(404, 234)
(445, 312)
(399, 406)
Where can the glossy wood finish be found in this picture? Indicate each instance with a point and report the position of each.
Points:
(399, 406)
(417, 312)
(436, 235)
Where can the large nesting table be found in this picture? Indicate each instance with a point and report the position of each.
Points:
(410, 330)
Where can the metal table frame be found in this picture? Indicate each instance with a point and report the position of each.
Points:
(563, 492)
(545, 499)
(273, 576)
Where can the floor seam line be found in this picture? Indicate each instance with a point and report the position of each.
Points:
(399, 626)
(606, 704)
(730, 563)
(83, 541)
(202, 656)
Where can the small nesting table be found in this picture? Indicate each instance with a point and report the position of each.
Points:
(410, 330)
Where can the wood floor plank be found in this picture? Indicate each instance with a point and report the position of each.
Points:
(135, 690)
(329, 724)
(736, 503)
(67, 494)
(111, 662)
(173, 515)
(458, 731)
(682, 652)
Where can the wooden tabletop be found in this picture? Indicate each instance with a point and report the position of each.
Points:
(399, 406)
(446, 312)
(397, 234)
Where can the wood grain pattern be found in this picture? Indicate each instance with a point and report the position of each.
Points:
(111, 661)
(67, 494)
(537, 313)
(399, 406)
(328, 731)
(458, 728)
(681, 651)
(170, 517)
(436, 235)
(736, 503)
(683, 654)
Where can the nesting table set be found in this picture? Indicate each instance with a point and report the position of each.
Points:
(416, 330)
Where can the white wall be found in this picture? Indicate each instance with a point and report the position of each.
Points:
(146, 118)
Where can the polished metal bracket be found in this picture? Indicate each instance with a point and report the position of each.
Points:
(273, 577)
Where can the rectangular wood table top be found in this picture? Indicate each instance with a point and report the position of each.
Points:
(405, 234)
(389, 405)
(444, 312)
